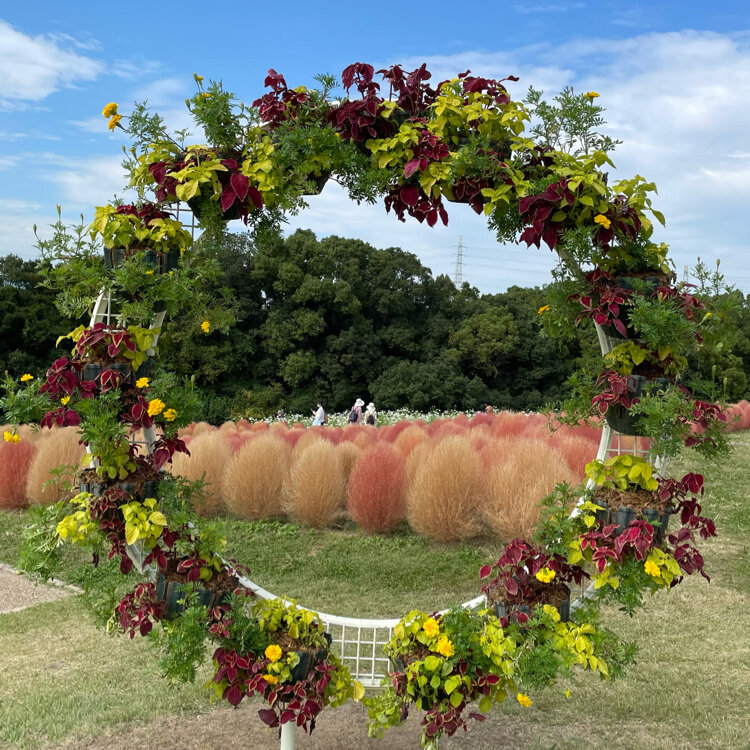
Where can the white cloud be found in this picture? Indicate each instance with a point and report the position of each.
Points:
(31, 68)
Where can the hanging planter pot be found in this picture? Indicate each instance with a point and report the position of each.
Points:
(308, 659)
(563, 607)
(172, 594)
(197, 205)
(620, 418)
(623, 515)
(316, 183)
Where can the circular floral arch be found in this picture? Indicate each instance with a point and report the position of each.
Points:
(535, 169)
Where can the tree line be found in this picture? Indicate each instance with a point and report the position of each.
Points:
(336, 319)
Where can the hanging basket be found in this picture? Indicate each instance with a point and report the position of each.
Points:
(619, 418)
(308, 659)
(152, 259)
(316, 183)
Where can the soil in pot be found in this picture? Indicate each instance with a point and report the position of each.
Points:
(620, 507)
(555, 594)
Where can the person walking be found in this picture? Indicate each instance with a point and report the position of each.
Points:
(355, 415)
(371, 416)
(319, 415)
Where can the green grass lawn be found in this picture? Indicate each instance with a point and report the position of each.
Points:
(63, 678)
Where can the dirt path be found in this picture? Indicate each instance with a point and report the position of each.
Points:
(18, 592)
(338, 729)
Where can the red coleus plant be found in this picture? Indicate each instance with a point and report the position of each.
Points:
(469, 190)
(428, 149)
(282, 103)
(165, 447)
(623, 221)
(603, 302)
(412, 200)
(104, 342)
(62, 379)
(147, 212)
(61, 417)
(515, 582)
(543, 211)
(617, 391)
(413, 93)
(139, 610)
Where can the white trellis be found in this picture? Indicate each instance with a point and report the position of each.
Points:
(360, 642)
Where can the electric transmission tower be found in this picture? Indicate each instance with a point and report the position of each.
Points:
(458, 277)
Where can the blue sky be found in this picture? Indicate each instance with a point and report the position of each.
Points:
(673, 76)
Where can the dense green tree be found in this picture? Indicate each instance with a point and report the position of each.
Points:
(30, 323)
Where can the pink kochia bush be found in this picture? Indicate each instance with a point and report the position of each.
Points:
(15, 460)
(377, 488)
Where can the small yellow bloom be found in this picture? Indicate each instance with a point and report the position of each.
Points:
(545, 575)
(206, 95)
(25, 378)
(652, 568)
(142, 383)
(444, 647)
(155, 407)
(114, 122)
(603, 220)
(552, 612)
(567, 693)
(273, 653)
(150, 272)
(198, 78)
(170, 414)
(11, 437)
(65, 400)
(524, 700)
(110, 110)
(206, 326)
(543, 309)
(271, 679)
(431, 627)
(591, 95)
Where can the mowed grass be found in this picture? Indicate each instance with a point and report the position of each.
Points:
(61, 678)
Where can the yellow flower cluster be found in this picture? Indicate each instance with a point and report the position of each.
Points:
(155, 407)
(25, 378)
(591, 95)
(273, 653)
(444, 647)
(431, 627)
(170, 414)
(114, 119)
(524, 700)
(271, 679)
(652, 568)
(545, 575)
(142, 383)
(543, 309)
(205, 326)
(65, 400)
(11, 437)
(603, 220)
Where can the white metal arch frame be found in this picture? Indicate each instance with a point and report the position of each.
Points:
(358, 641)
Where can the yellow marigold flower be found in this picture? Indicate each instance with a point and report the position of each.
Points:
(206, 95)
(150, 272)
(65, 400)
(25, 378)
(444, 647)
(198, 78)
(603, 220)
(142, 383)
(591, 95)
(652, 568)
(155, 407)
(552, 612)
(543, 309)
(110, 109)
(114, 122)
(567, 693)
(206, 326)
(272, 679)
(170, 414)
(273, 653)
(524, 700)
(431, 627)
(545, 575)
(11, 437)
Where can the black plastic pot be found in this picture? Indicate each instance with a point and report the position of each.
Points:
(308, 659)
(660, 522)
(172, 592)
(196, 206)
(91, 371)
(623, 516)
(318, 183)
(619, 418)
